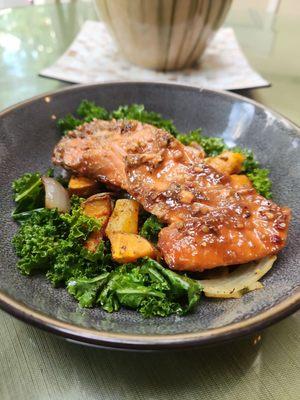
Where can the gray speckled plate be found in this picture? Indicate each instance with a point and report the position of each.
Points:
(27, 136)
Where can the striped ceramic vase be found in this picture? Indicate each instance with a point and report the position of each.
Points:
(163, 34)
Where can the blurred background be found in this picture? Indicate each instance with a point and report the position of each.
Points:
(33, 34)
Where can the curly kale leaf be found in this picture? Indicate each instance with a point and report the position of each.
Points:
(88, 110)
(149, 288)
(72, 258)
(151, 228)
(68, 123)
(183, 288)
(261, 181)
(37, 240)
(85, 290)
(73, 261)
(211, 145)
(54, 243)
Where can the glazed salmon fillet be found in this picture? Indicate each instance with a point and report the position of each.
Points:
(210, 221)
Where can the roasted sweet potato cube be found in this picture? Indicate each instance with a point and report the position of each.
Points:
(128, 247)
(227, 162)
(98, 206)
(241, 182)
(124, 217)
(82, 186)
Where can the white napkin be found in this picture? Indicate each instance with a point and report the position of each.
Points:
(93, 57)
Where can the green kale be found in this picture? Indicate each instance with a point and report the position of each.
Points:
(128, 289)
(151, 228)
(138, 112)
(261, 181)
(85, 290)
(36, 241)
(68, 123)
(150, 289)
(28, 194)
(52, 242)
(72, 258)
(88, 110)
(181, 287)
(211, 145)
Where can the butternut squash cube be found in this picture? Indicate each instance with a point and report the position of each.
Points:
(124, 217)
(128, 247)
(227, 162)
(241, 182)
(82, 187)
(98, 206)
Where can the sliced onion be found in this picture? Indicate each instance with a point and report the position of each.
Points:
(242, 280)
(56, 196)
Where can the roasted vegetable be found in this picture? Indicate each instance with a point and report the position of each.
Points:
(261, 181)
(56, 196)
(227, 162)
(98, 206)
(124, 217)
(259, 176)
(128, 247)
(82, 187)
(240, 182)
(238, 282)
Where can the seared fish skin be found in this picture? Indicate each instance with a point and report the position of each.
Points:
(211, 223)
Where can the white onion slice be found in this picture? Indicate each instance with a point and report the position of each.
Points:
(56, 196)
(238, 282)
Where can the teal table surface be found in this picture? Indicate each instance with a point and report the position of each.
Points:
(38, 365)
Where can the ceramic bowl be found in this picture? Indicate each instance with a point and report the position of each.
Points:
(28, 134)
(163, 34)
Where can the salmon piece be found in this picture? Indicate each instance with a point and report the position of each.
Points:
(246, 231)
(212, 220)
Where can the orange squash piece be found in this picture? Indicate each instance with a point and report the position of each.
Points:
(124, 217)
(241, 182)
(227, 162)
(128, 247)
(82, 187)
(98, 206)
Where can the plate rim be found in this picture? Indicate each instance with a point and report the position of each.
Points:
(150, 342)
